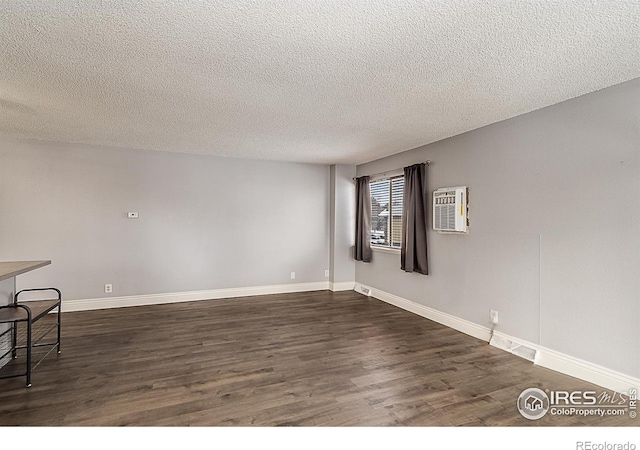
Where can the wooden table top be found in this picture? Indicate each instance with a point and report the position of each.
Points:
(9, 269)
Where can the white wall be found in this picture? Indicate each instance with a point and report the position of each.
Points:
(205, 222)
(343, 223)
(554, 243)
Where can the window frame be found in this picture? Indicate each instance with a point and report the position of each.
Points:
(389, 248)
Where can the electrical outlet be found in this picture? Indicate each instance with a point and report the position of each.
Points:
(293, 275)
(132, 215)
(108, 288)
(493, 315)
(326, 273)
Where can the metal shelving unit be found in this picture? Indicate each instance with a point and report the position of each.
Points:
(26, 335)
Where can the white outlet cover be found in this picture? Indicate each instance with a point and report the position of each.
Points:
(293, 275)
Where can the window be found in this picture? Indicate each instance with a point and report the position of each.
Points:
(386, 212)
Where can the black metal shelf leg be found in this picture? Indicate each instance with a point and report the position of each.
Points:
(14, 339)
(29, 349)
(59, 323)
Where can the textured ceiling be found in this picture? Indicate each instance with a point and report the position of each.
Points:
(312, 81)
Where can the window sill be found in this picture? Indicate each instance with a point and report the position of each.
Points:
(393, 251)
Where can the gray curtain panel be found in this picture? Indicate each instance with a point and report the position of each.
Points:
(413, 252)
(363, 220)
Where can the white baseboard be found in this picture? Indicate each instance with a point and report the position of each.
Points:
(454, 322)
(540, 356)
(585, 370)
(177, 297)
(342, 286)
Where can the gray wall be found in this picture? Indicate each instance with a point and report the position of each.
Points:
(554, 243)
(343, 223)
(205, 222)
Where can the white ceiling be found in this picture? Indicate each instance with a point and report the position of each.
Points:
(314, 81)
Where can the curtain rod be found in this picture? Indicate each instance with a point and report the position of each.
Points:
(427, 162)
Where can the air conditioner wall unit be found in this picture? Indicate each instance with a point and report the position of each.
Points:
(451, 210)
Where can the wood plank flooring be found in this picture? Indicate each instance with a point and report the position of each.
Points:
(307, 359)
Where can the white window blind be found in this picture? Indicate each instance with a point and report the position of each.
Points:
(386, 212)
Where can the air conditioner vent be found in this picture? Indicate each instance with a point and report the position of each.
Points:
(451, 210)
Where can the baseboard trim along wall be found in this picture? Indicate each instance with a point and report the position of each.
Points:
(585, 370)
(539, 355)
(343, 286)
(178, 297)
(454, 322)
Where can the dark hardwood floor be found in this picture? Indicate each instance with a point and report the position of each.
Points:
(308, 359)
